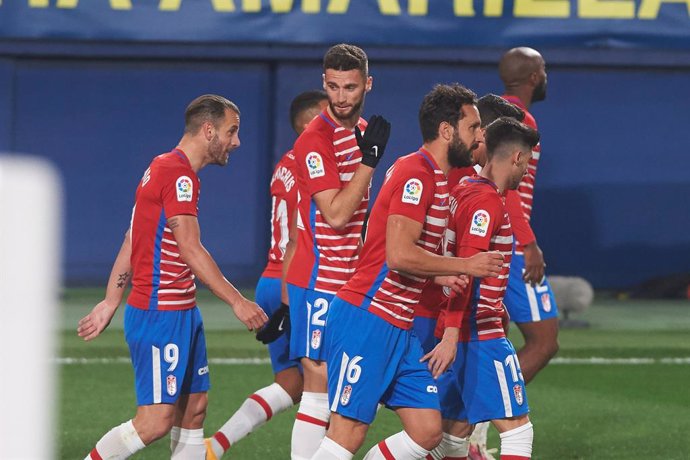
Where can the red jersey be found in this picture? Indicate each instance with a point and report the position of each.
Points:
(522, 199)
(160, 279)
(416, 188)
(326, 157)
(283, 204)
(434, 297)
(479, 222)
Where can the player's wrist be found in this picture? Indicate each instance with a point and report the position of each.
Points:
(451, 334)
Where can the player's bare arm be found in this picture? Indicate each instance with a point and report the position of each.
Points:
(338, 205)
(443, 354)
(91, 325)
(185, 228)
(290, 248)
(403, 254)
(534, 264)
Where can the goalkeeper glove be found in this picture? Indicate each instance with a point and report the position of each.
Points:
(373, 142)
(277, 324)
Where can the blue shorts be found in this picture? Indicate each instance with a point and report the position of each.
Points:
(268, 297)
(168, 351)
(484, 383)
(527, 303)
(424, 330)
(308, 312)
(372, 361)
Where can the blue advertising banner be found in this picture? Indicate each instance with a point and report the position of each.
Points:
(656, 24)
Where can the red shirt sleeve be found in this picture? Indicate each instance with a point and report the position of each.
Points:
(413, 194)
(315, 161)
(179, 192)
(521, 227)
(477, 222)
(459, 303)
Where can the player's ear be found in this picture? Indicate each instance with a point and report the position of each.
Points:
(516, 156)
(445, 131)
(369, 84)
(323, 80)
(208, 129)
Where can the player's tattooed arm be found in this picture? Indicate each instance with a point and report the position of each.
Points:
(99, 318)
(122, 279)
(173, 223)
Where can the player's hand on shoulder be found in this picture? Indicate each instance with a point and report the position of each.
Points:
(372, 143)
(277, 325)
(485, 264)
(250, 314)
(91, 325)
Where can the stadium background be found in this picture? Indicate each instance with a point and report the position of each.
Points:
(100, 87)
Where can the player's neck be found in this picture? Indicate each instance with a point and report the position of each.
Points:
(496, 174)
(440, 153)
(523, 93)
(194, 153)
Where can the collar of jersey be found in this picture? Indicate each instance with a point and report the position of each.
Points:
(180, 153)
(427, 156)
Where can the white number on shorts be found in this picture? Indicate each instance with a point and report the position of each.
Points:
(514, 365)
(171, 354)
(353, 370)
(317, 318)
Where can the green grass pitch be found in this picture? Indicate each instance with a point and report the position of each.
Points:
(580, 409)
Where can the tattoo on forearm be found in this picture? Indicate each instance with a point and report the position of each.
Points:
(122, 279)
(173, 223)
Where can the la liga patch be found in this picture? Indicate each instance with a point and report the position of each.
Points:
(412, 192)
(315, 165)
(184, 188)
(480, 223)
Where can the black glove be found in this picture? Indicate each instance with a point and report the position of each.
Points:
(277, 324)
(373, 142)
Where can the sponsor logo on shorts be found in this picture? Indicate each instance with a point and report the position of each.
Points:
(546, 301)
(480, 223)
(431, 389)
(345, 396)
(203, 370)
(315, 165)
(412, 192)
(316, 339)
(184, 188)
(517, 391)
(172, 385)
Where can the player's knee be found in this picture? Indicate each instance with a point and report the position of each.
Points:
(429, 437)
(151, 430)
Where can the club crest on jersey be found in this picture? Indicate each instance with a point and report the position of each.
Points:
(315, 165)
(316, 339)
(345, 396)
(546, 301)
(517, 391)
(480, 223)
(412, 192)
(172, 385)
(184, 188)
